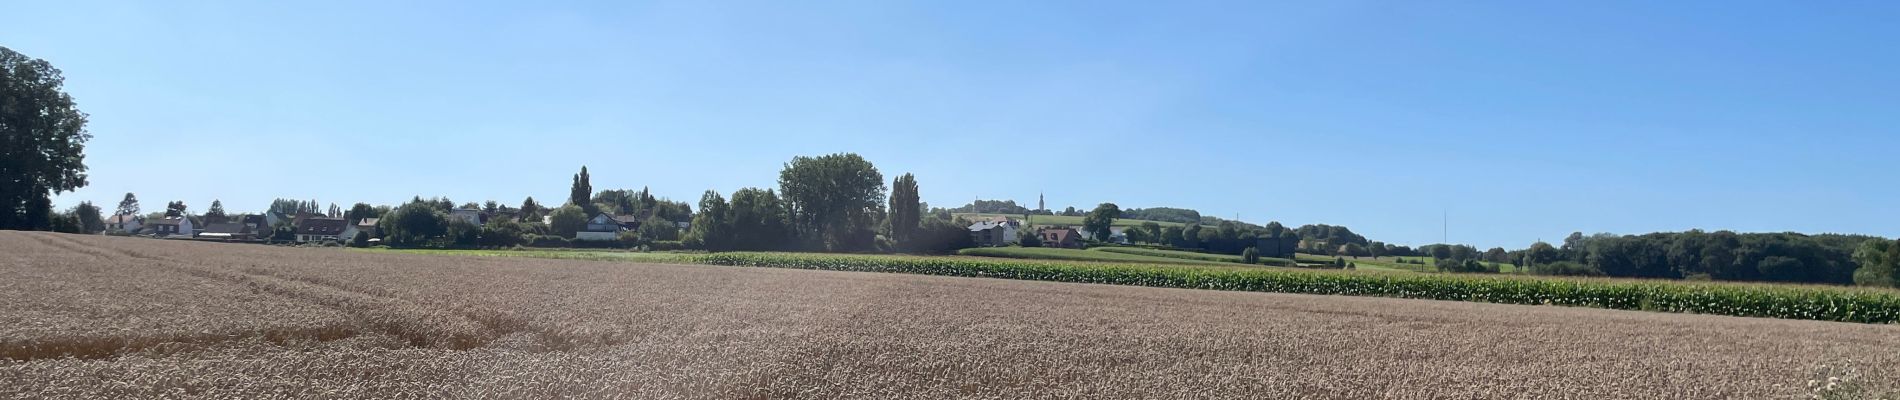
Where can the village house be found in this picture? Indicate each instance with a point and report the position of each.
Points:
(259, 224)
(996, 232)
(173, 226)
(600, 227)
(361, 225)
(125, 223)
(1066, 238)
(632, 222)
(316, 229)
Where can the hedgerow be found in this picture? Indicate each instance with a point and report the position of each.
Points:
(1734, 300)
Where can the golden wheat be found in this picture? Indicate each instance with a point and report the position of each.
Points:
(167, 319)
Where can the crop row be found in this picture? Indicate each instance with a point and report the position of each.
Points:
(1188, 255)
(1735, 300)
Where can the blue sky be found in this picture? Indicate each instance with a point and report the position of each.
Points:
(1521, 120)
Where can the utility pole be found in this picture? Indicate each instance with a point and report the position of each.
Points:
(1444, 226)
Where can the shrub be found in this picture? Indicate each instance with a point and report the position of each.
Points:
(360, 240)
(1250, 256)
(1028, 237)
(548, 241)
(666, 245)
(628, 239)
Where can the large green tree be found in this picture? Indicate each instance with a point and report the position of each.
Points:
(42, 141)
(216, 210)
(905, 210)
(581, 194)
(568, 220)
(415, 224)
(757, 220)
(711, 230)
(359, 211)
(1877, 260)
(129, 206)
(89, 219)
(1099, 219)
(833, 200)
(530, 210)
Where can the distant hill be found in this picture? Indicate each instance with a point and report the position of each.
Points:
(1035, 220)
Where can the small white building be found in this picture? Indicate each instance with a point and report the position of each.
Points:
(601, 227)
(124, 223)
(173, 226)
(362, 225)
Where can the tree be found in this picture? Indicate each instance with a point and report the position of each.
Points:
(833, 199)
(415, 224)
(1100, 219)
(1250, 256)
(359, 211)
(504, 232)
(711, 230)
(1354, 250)
(905, 210)
(582, 192)
(1497, 255)
(360, 240)
(129, 206)
(334, 211)
(1877, 259)
(1542, 253)
(216, 211)
(757, 220)
(1893, 261)
(530, 210)
(1174, 236)
(1029, 238)
(1154, 231)
(658, 229)
(175, 209)
(89, 219)
(567, 221)
(42, 141)
(1439, 252)
(62, 222)
(1071, 212)
(942, 236)
(1137, 235)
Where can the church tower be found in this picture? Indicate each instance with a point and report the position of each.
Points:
(1039, 205)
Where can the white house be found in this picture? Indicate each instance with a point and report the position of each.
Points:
(362, 225)
(124, 223)
(993, 232)
(601, 227)
(174, 226)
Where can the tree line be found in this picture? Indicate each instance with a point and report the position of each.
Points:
(1720, 255)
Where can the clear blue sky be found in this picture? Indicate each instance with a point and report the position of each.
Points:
(1520, 119)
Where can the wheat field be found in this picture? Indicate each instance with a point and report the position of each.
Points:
(109, 317)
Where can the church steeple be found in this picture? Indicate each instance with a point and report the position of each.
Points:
(1039, 205)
